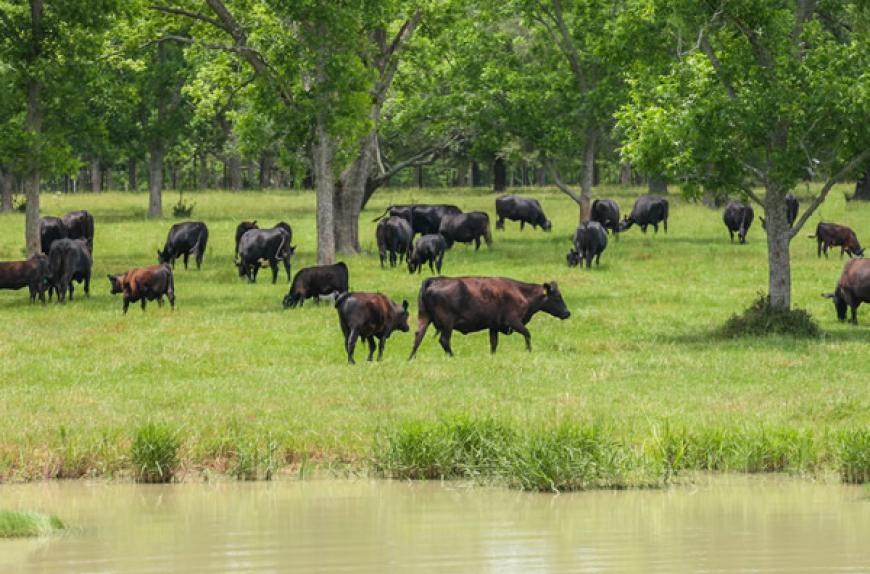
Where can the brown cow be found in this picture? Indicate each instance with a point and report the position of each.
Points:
(853, 288)
(470, 304)
(832, 235)
(33, 273)
(145, 284)
(369, 315)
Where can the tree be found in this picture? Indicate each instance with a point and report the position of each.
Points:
(767, 92)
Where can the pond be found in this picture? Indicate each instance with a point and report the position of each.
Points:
(731, 524)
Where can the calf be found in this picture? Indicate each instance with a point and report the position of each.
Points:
(831, 235)
(470, 304)
(243, 228)
(606, 212)
(522, 209)
(393, 235)
(465, 228)
(647, 210)
(80, 225)
(590, 240)
(853, 288)
(316, 282)
(50, 230)
(34, 274)
(188, 238)
(145, 284)
(369, 315)
(271, 245)
(738, 217)
(428, 248)
(70, 261)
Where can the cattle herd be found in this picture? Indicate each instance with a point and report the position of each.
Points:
(464, 304)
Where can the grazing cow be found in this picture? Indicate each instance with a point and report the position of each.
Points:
(243, 228)
(188, 238)
(50, 230)
(428, 248)
(738, 217)
(470, 304)
(853, 288)
(590, 240)
(70, 260)
(272, 245)
(522, 209)
(791, 210)
(80, 225)
(465, 228)
(35, 273)
(606, 212)
(394, 235)
(316, 282)
(831, 235)
(369, 315)
(145, 284)
(647, 210)
(424, 218)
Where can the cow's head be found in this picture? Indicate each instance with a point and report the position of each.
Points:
(573, 258)
(625, 223)
(243, 268)
(547, 225)
(286, 253)
(163, 256)
(839, 303)
(291, 299)
(553, 302)
(117, 282)
(401, 321)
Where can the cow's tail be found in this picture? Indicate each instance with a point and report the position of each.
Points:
(171, 291)
(281, 245)
(340, 299)
(383, 215)
(487, 235)
(201, 242)
(667, 208)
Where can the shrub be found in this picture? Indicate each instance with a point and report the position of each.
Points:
(154, 453)
(22, 523)
(853, 456)
(763, 319)
(182, 209)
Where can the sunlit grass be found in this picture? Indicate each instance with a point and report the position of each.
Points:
(26, 523)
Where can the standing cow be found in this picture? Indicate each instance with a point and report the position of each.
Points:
(522, 209)
(853, 288)
(70, 260)
(470, 304)
(271, 245)
(429, 248)
(647, 210)
(738, 217)
(319, 281)
(243, 228)
(145, 284)
(188, 238)
(606, 212)
(424, 218)
(80, 225)
(590, 240)
(465, 228)
(394, 236)
(50, 230)
(369, 315)
(791, 210)
(34, 273)
(832, 235)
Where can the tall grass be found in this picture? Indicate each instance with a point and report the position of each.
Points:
(27, 523)
(154, 453)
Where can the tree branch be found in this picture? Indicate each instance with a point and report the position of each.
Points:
(717, 65)
(391, 62)
(194, 15)
(554, 173)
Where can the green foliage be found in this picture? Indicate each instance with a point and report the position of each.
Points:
(853, 455)
(154, 453)
(761, 318)
(24, 523)
(182, 209)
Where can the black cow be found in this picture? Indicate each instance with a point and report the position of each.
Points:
(606, 212)
(424, 218)
(522, 209)
(738, 217)
(428, 248)
(317, 282)
(369, 315)
(470, 304)
(80, 225)
(70, 260)
(831, 235)
(35, 273)
(394, 235)
(145, 284)
(188, 238)
(465, 228)
(590, 240)
(243, 228)
(271, 245)
(647, 210)
(50, 230)
(791, 210)
(853, 288)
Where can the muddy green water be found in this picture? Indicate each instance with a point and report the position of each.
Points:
(724, 525)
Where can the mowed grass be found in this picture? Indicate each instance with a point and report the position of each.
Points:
(229, 366)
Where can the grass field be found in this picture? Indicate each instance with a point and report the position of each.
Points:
(233, 373)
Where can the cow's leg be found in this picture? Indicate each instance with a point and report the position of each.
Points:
(160, 301)
(255, 269)
(643, 227)
(522, 224)
(499, 224)
(493, 340)
(186, 257)
(171, 296)
(445, 340)
(422, 325)
(273, 264)
(350, 344)
(371, 342)
(819, 251)
(520, 328)
(732, 235)
(854, 307)
(71, 288)
(88, 286)
(144, 301)
(438, 263)
(476, 243)
(589, 259)
(598, 260)
(126, 304)
(382, 341)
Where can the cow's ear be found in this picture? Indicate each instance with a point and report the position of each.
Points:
(546, 288)
(405, 305)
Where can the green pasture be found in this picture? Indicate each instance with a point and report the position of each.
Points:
(230, 371)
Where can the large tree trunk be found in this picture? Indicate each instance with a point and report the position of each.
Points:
(778, 237)
(323, 157)
(862, 187)
(588, 174)
(350, 196)
(155, 180)
(266, 171)
(34, 126)
(5, 191)
(234, 170)
(658, 185)
(499, 183)
(110, 179)
(204, 178)
(96, 176)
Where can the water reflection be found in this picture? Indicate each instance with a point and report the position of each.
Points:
(727, 525)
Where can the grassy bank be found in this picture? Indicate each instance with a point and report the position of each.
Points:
(246, 385)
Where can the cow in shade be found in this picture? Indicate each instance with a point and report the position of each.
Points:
(647, 210)
(319, 281)
(369, 315)
(34, 273)
(606, 212)
(70, 260)
(429, 248)
(394, 236)
(80, 225)
(243, 228)
(50, 230)
(145, 284)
